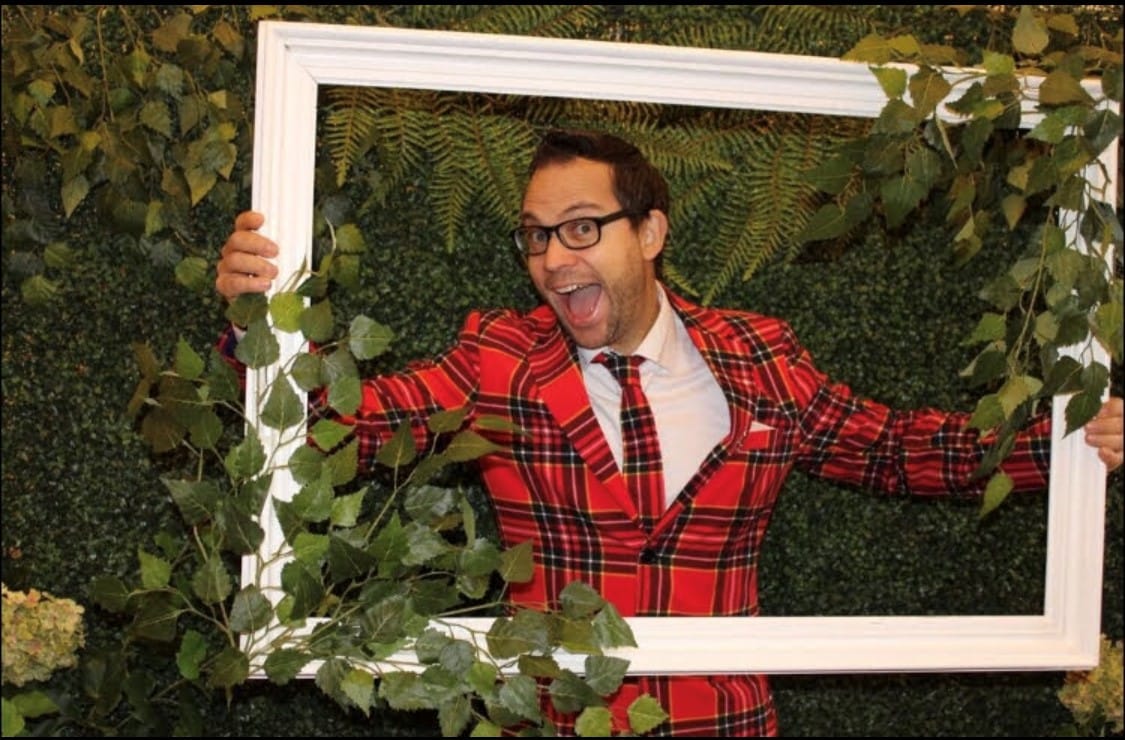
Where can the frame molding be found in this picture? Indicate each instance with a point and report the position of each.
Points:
(295, 58)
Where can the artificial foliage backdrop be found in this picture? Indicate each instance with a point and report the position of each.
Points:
(885, 313)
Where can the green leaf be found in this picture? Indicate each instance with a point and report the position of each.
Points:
(871, 48)
(74, 191)
(892, 80)
(359, 687)
(482, 678)
(827, 223)
(833, 175)
(345, 395)
(303, 584)
(645, 714)
(309, 547)
(990, 328)
(1108, 322)
(317, 322)
(37, 290)
(248, 308)
(155, 572)
(998, 64)
(368, 338)
(999, 486)
(259, 347)
(928, 88)
(900, 196)
(1016, 391)
(447, 420)
(109, 593)
(988, 413)
(611, 629)
(284, 664)
(283, 407)
(251, 611)
(230, 668)
(33, 704)
(579, 600)
(13, 723)
(1030, 34)
(594, 722)
(347, 561)
(1013, 207)
(520, 695)
(314, 501)
(306, 371)
(1061, 88)
(425, 544)
(399, 450)
(346, 509)
(285, 310)
(517, 564)
(247, 458)
(405, 691)
(343, 465)
(539, 666)
(570, 694)
(327, 433)
(605, 673)
(468, 445)
(192, 272)
(525, 632)
(211, 582)
(196, 500)
(454, 716)
(155, 618)
(190, 656)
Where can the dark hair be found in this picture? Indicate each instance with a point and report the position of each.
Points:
(638, 186)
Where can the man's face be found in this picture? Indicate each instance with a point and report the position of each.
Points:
(605, 294)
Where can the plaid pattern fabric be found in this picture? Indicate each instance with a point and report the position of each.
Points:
(558, 486)
(641, 462)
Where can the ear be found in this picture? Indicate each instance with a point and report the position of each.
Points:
(653, 232)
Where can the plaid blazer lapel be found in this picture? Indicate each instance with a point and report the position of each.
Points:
(555, 367)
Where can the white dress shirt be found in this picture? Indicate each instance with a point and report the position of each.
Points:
(690, 409)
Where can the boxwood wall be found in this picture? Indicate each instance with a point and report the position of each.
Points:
(81, 493)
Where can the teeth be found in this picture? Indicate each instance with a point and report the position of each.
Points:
(567, 289)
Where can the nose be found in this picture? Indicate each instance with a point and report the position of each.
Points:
(557, 256)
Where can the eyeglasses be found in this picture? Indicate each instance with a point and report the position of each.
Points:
(577, 233)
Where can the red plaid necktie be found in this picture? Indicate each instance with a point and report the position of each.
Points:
(641, 464)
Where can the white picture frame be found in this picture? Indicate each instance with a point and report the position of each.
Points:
(294, 59)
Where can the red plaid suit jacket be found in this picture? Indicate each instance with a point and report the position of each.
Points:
(560, 488)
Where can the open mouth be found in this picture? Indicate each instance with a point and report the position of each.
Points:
(580, 301)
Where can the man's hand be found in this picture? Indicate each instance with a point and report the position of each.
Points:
(245, 265)
(1105, 432)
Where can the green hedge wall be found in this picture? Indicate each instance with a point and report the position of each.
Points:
(81, 493)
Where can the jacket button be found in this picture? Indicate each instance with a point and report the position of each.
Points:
(648, 556)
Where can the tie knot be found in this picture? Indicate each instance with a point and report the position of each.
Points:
(626, 368)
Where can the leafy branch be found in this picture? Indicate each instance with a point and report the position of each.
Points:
(372, 576)
(960, 137)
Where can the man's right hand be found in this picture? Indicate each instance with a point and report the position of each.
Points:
(245, 265)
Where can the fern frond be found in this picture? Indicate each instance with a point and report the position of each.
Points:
(558, 21)
(823, 30)
(756, 205)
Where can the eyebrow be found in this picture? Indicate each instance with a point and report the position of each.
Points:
(567, 214)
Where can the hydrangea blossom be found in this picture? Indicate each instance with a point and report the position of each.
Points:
(1095, 696)
(42, 633)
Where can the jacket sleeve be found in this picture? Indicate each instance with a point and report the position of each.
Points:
(924, 451)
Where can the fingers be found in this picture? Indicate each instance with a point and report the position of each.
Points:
(1105, 432)
(245, 265)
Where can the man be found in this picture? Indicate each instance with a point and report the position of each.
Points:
(737, 403)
